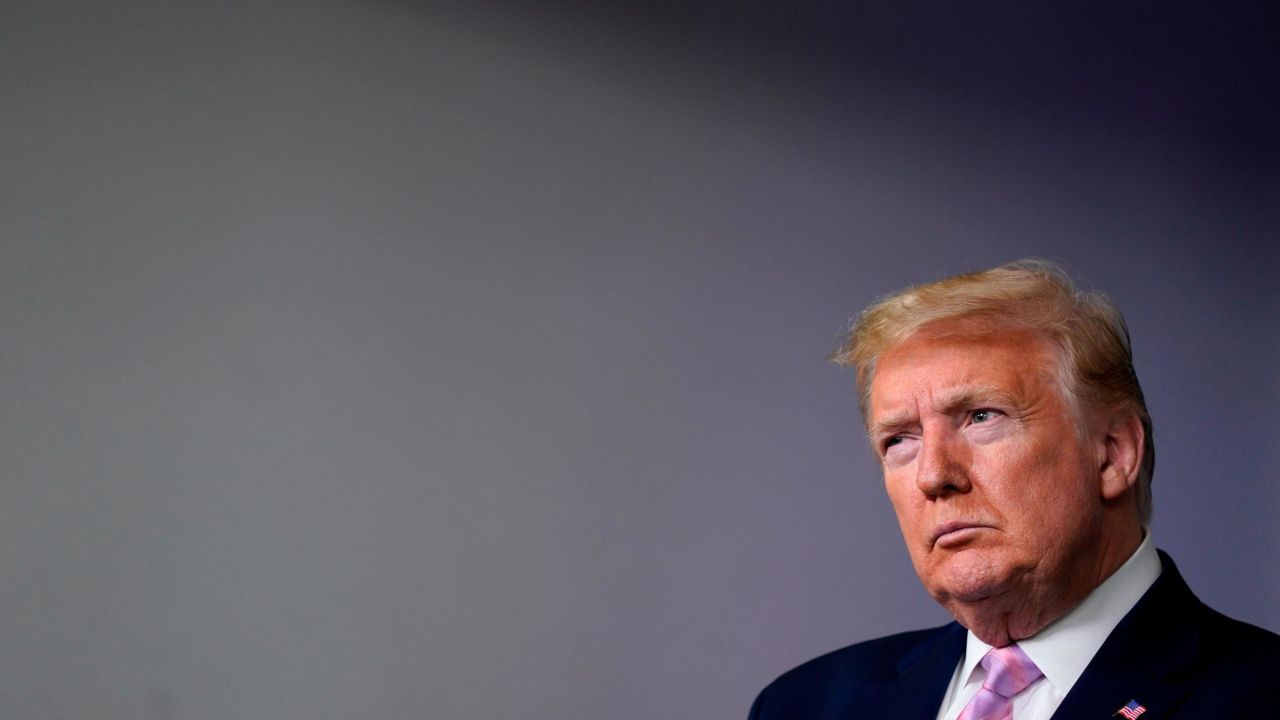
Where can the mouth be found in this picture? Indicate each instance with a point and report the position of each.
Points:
(956, 533)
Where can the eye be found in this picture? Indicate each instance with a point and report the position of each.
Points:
(896, 450)
(888, 444)
(983, 415)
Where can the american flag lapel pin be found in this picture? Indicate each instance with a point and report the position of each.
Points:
(1131, 711)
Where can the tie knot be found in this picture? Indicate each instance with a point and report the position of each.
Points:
(1009, 671)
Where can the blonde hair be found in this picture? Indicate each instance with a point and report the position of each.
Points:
(1034, 295)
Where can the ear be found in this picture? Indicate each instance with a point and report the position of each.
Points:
(1121, 454)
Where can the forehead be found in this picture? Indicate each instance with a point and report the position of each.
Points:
(934, 366)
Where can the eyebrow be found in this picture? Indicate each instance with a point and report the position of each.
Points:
(888, 425)
(947, 402)
(973, 397)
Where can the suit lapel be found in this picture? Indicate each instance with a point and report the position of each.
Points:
(923, 677)
(1146, 656)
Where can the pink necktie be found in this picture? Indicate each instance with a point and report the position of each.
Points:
(1009, 672)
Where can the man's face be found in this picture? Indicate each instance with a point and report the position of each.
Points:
(996, 492)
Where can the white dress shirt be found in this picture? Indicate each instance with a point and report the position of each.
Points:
(1065, 646)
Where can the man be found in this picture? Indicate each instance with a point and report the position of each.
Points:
(1017, 453)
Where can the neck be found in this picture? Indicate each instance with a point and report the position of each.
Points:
(1031, 605)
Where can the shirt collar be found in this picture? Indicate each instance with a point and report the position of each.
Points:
(1064, 648)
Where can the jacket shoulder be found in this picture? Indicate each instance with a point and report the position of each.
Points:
(869, 660)
(832, 678)
(1223, 646)
(1237, 649)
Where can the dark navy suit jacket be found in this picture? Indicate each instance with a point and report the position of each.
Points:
(1171, 654)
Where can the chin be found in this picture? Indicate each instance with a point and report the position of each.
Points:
(970, 594)
(968, 580)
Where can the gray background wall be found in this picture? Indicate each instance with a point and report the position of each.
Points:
(396, 359)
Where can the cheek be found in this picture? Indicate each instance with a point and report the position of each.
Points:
(900, 488)
(906, 502)
(1015, 484)
(1042, 489)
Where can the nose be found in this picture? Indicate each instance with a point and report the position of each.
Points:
(941, 469)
